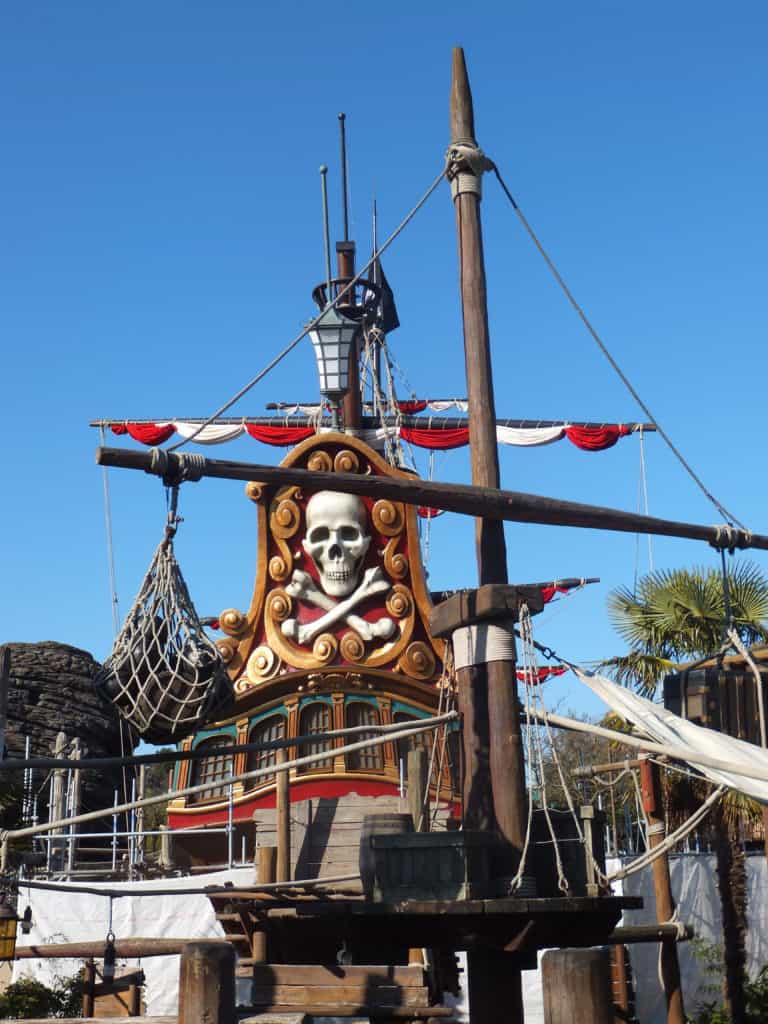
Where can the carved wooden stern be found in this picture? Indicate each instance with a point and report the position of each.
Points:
(336, 636)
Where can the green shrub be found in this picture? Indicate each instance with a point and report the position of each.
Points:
(30, 998)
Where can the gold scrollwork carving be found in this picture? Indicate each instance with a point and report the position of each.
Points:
(285, 518)
(395, 562)
(278, 570)
(352, 647)
(346, 462)
(325, 648)
(399, 602)
(388, 517)
(232, 621)
(418, 661)
(227, 650)
(262, 664)
(320, 462)
(255, 491)
(279, 605)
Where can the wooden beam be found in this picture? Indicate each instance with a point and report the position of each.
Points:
(511, 506)
(139, 948)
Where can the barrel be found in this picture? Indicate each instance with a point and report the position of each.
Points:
(378, 825)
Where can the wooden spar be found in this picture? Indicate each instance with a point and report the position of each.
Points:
(487, 692)
(511, 506)
(434, 420)
(506, 753)
(137, 947)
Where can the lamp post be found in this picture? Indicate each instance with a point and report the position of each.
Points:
(8, 922)
(332, 339)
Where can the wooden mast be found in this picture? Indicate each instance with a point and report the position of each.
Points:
(497, 678)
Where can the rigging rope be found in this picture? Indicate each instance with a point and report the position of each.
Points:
(604, 349)
(302, 334)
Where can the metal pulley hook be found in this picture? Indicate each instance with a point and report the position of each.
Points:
(172, 523)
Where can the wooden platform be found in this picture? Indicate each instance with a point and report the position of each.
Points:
(508, 924)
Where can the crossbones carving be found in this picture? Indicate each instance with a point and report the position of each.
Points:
(302, 587)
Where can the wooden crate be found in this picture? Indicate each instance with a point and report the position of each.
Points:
(432, 866)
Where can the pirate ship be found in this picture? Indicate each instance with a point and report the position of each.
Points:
(338, 633)
(342, 637)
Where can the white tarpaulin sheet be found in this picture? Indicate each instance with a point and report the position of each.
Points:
(694, 886)
(662, 726)
(81, 917)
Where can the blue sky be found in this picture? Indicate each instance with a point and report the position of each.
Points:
(160, 208)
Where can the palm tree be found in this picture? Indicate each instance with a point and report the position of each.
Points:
(678, 615)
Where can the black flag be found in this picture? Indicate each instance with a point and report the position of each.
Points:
(388, 318)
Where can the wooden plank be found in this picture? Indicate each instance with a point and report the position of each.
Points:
(492, 601)
(83, 950)
(353, 995)
(319, 974)
(333, 1010)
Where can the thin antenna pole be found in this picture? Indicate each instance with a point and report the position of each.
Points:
(342, 120)
(110, 550)
(376, 353)
(326, 233)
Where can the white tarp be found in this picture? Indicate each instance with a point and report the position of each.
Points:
(694, 886)
(662, 726)
(82, 917)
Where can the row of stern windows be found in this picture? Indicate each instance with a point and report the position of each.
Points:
(316, 719)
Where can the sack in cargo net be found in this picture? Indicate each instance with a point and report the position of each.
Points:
(164, 674)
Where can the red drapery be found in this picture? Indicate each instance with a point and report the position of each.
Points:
(146, 433)
(412, 406)
(541, 674)
(439, 439)
(596, 439)
(281, 436)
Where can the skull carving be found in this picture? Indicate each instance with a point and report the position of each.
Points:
(336, 540)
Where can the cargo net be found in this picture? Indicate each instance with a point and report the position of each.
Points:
(164, 674)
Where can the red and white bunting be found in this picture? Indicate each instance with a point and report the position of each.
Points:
(433, 437)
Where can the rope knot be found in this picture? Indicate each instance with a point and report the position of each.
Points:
(465, 164)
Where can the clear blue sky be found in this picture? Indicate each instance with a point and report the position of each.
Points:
(162, 233)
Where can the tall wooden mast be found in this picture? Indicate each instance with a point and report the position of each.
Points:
(492, 685)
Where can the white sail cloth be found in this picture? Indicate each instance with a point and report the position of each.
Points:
(745, 760)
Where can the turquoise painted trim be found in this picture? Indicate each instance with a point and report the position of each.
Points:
(266, 714)
(206, 734)
(416, 712)
(362, 699)
(320, 698)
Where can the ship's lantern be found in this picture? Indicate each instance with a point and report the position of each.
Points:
(8, 922)
(332, 339)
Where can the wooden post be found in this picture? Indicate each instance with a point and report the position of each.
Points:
(577, 986)
(74, 808)
(207, 983)
(141, 790)
(89, 982)
(266, 864)
(134, 1000)
(418, 795)
(283, 821)
(619, 986)
(56, 809)
(650, 783)
(166, 848)
(505, 753)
